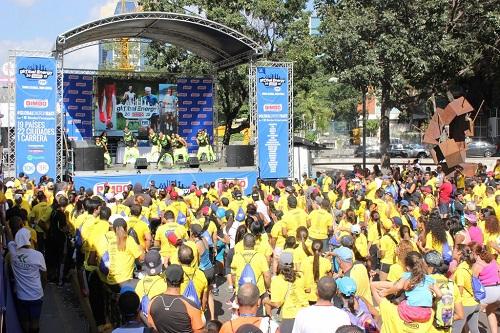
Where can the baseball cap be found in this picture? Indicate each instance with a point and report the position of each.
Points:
(355, 229)
(152, 263)
(22, 238)
(347, 241)
(472, 218)
(404, 203)
(115, 217)
(119, 196)
(280, 184)
(174, 195)
(174, 274)
(289, 189)
(286, 259)
(433, 259)
(346, 286)
(196, 229)
(343, 253)
(424, 208)
(198, 193)
(10, 183)
(426, 189)
(205, 210)
(397, 221)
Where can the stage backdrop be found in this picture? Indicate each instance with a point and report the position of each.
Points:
(36, 87)
(195, 109)
(78, 98)
(272, 122)
(118, 183)
(134, 103)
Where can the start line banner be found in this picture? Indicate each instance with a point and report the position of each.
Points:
(272, 122)
(36, 87)
(118, 183)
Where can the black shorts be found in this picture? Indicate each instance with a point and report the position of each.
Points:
(384, 267)
(210, 275)
(29, 310)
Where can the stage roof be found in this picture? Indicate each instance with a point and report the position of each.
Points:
(221, 45)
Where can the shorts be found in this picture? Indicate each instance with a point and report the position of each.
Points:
(412, 314)
(444, 208)
(29, 310)
(492, 295)
(210, 275)
(384, 267)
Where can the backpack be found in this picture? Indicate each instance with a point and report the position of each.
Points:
(447, 254)
(240, 215)
(478, 289)
(145, 219)
(145, 298)
(247, 275)
(190, 291)
(105, 262)
(444, 307)
(132, 233)
(181, 218)
(363, 319)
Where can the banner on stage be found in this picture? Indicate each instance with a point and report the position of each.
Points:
(272, 121)
(78, 106)
(36, 91)
(135, 104)
(195, 109)
(119, 183)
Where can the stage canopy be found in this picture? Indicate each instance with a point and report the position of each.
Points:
(214, 42)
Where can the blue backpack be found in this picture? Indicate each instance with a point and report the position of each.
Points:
(190, 291)
(181, 218)
(478, 289)
(78, 238)
(145, 298)
(105, 261)
(447, 254)
(240, 215)
(247, 275)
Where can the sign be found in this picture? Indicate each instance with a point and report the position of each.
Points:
(36, 87)
(77, 101)
(245, 179)
(272, 122)
(195, 98)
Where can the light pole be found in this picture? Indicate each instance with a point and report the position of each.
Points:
(363, 94)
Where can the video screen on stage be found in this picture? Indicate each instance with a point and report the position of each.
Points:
(134, 104)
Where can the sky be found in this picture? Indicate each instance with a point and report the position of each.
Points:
(35, 24)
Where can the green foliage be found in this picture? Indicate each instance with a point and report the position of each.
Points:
(372, 126)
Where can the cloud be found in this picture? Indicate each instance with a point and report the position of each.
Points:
(101, 11)
(38, 44)
(86, 58)
(24, 3)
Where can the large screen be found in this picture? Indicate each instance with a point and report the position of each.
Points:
(134, 104)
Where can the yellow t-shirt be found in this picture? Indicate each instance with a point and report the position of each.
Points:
(151, 285)
(277, 233)
(359, 274)
(373, 234)
(293, 219)
(479, 190)
(388, 246)
(325, 267)
(361, 244)
(431, 244)
(463, 278)
(121, 263)
(432, 183)
(199, 280)
(167, 249)
(91, 233)
(392, 322)
(429, 201)
(41, 215)
(327, 181)
(321, 221)
(395, 272)
(290, 294)
(140, 227)
(371, 188)
(257, 261)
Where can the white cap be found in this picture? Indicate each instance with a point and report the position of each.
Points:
(10, 183)
(204, 190)
(355, 229)
(22, 238)
(114, 217)
(60, 193)
(109, 196)
(119, 196)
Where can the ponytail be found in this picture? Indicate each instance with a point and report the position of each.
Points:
(317, 247)
(121, 238)
(350, 304)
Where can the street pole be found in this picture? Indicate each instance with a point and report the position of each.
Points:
(363, 92)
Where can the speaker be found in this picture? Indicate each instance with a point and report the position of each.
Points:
(240, 155)
(87, 156)
(141, 163)
(193, 162)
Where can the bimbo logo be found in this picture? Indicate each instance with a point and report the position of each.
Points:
(36, 103)
(115, 187)
(73, 77)
(241, 182)
(36, 72)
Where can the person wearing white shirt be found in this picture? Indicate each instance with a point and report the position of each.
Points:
(29, 269)
(322, 317)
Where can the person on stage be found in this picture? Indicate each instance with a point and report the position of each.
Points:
(131, 154)
(165, 145)
(204, 146)
(128, 137)
(102, 142)
(180, 148)
(155, 151)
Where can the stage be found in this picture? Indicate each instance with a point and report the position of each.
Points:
(118, 177)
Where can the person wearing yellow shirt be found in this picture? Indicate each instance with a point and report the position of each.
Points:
(213, 194)
(293, 218)
(492, 235)
(429, 199)
(360, 241)
(398, 268)
(489, 198)
(326, 184)
(138, 228)
(287, 292)
(320, 222)
(40, 214)
(120, 208)
(437, 237)
(314, 268)
(163, 238)
(153, 283)
(116, 254)
(237, 203)
(479, 190)
(387, 248)
(87, 228)
(430, 180)
(355, 270)
(463, 279)
(193, 273)
(258, 263)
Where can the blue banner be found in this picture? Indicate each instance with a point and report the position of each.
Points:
(195, 107)
(119, 183)
(78, 107)
(36, 87)
(272, 121)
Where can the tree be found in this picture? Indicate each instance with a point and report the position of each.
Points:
(372, 127)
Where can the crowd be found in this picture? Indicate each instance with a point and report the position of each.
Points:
(408, 250)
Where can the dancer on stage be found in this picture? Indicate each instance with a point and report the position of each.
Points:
(204, 146)
(180, 148)
(102, 141)
(165, 145)
(128, 137)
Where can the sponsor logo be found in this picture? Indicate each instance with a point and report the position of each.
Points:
(207, 109)
(36, 103)
(87, 122)
(241, 182)
(80, 100)
(195, 109)
(42, 168)
(182, 109)
(182, 81)
(86, 108)
(195, 123)
(187, 116)
(72, 91)
(65, 100)
(187, 102)
(117, 187)
(73, 77)
(87, 78)
(202, 88)
(195, 81)
(207, 81)
(207, 95)
(36, 72)
(87, 92)
(273, 107)
(208, 123)
(273, 80)
(29, 168)
(81, 84)
(72, 107)
(202, 102)
(65, 84)
(182, 94)
(202, 116)
(182, 123)
(80, 114)
(187, 87)
(195, 94)
(187, 130)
